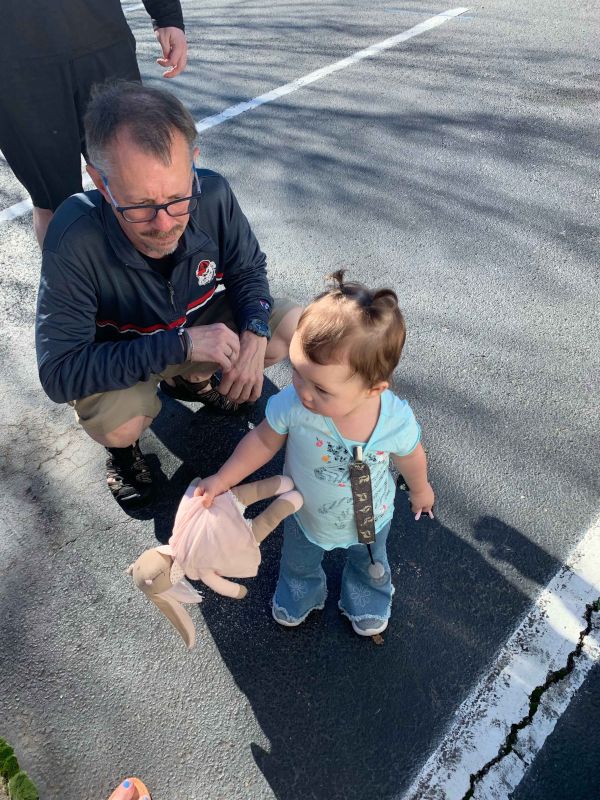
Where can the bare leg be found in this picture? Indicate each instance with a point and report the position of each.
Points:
(41, 220)
(125, 435)
(279, 346)
(202, 375)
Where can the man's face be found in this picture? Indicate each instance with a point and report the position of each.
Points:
(137, 178)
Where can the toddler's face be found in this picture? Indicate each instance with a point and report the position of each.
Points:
(332, 390)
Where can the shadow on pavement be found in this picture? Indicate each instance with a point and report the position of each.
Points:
(202, 441)
(345, 718)
(348, 719)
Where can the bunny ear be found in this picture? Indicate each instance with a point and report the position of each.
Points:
(177, 616)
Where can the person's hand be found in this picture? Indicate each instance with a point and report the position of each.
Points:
(421, 502)
(244, 380)
(215, 343)
(127, 791)
(209, 488)
(174, 47)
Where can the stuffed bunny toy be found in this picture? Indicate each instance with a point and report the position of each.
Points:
(210, 543)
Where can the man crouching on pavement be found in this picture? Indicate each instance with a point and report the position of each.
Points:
(154, 277)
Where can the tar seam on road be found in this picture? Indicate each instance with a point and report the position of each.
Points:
(534, 702)
(18, 209)
(522, 683)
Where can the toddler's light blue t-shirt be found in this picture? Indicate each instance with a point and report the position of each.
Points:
(317, 458)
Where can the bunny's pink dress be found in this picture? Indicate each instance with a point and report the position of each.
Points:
(218, 538)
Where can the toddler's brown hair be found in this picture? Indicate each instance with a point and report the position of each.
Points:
(350, 321)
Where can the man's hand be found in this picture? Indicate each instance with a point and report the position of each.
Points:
(216, 344)
(174, 47)
(209, 488)
(421, 502)
(244, 380)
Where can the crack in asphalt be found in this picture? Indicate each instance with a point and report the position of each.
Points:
(62, 546)
(534, 702)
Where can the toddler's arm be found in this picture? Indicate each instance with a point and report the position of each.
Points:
(254, 451)
(414, 471)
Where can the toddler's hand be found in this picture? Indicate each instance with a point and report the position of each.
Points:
(422, 502)
(209, 488)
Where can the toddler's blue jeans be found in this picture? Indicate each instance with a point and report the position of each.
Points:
(302, 586)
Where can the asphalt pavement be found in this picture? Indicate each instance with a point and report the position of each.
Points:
(459, 167)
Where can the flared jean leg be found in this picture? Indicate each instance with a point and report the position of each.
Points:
(302, 586)
(363, 596)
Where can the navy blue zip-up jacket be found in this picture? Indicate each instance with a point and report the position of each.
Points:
(106, 320)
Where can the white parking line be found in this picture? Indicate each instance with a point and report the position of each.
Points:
(18, 209)
(317, 75)
(540, 645)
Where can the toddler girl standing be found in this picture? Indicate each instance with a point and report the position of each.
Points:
(345, 349)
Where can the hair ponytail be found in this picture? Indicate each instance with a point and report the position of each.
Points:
(364, 325)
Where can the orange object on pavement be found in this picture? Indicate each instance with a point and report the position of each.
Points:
(139, 790)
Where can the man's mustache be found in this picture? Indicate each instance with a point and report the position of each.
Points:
(163, 234)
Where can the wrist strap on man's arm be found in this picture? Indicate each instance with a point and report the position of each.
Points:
(187, 343)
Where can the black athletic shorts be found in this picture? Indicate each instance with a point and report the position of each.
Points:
(41, 118)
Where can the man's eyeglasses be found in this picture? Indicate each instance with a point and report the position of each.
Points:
(146, 213)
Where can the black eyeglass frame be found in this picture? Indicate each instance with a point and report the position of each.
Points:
(154, 206)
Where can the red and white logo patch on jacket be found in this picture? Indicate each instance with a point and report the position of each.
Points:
(205, 272)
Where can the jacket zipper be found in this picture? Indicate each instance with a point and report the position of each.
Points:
(172, 294)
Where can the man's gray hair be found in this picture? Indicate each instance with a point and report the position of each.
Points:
(150, 117)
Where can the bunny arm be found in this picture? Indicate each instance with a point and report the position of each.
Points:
(223, 586)
(282, 507)
(249, 493)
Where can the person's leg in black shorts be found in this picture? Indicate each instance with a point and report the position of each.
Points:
(41, 122)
